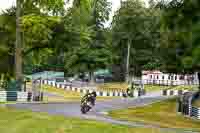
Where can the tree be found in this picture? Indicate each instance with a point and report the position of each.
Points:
(90, 51)
(135, 26)
(7, 39)
(39, 11)
(181, 41)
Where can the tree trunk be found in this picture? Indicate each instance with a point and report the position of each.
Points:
(128, 61)
(91, 75)
(18, 47)
(2, 77)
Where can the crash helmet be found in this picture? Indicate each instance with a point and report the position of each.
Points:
(94, 94)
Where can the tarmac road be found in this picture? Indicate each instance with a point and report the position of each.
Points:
(72, 109)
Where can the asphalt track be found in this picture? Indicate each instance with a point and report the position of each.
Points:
(99, 112)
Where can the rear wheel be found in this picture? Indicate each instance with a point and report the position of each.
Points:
(85, 109)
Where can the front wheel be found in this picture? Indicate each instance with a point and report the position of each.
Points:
(85, 109)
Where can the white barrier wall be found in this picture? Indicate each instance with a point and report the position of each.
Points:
(73, 88)
(45, 82)
(54, 83)
(135, 93)
(85, 90)
(176, 92)
(3, 96)
(20, 96)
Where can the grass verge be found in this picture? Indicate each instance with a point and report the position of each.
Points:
(112, 87)
(197, 103)
(148, 88)
(66, 95)
(162, 114)
(60, 94)
(151, 88)
(14, 121)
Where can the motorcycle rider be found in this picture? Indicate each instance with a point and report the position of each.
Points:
(129, 90)
(93, 98)
(89, 97)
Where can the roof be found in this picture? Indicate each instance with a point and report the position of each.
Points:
(152, 72)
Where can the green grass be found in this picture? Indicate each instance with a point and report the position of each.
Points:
(67, 95)
(162, 114)
(151, 88)
(10, 102)
(186, 87)
(197, 103)
(14, 121)
(112, 87)
(64, 95)
(148, 88)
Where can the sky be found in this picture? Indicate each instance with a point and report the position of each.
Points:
(7, 3)
(4, 4)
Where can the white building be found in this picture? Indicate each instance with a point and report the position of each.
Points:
(158, 77)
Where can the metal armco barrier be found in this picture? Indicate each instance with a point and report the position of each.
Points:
(185, 105)
(195, 112)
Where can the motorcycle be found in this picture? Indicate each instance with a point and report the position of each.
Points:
(85, 107)
(128, 93)
(88, 102)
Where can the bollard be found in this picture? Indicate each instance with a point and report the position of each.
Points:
(29, 96)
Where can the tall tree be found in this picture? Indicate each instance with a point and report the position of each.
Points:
(18, 46)
(180, 40)
(37, 9)
(133, 27)
(90, 52)
(7, 41)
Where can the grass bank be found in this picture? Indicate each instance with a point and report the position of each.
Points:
(162, 114)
